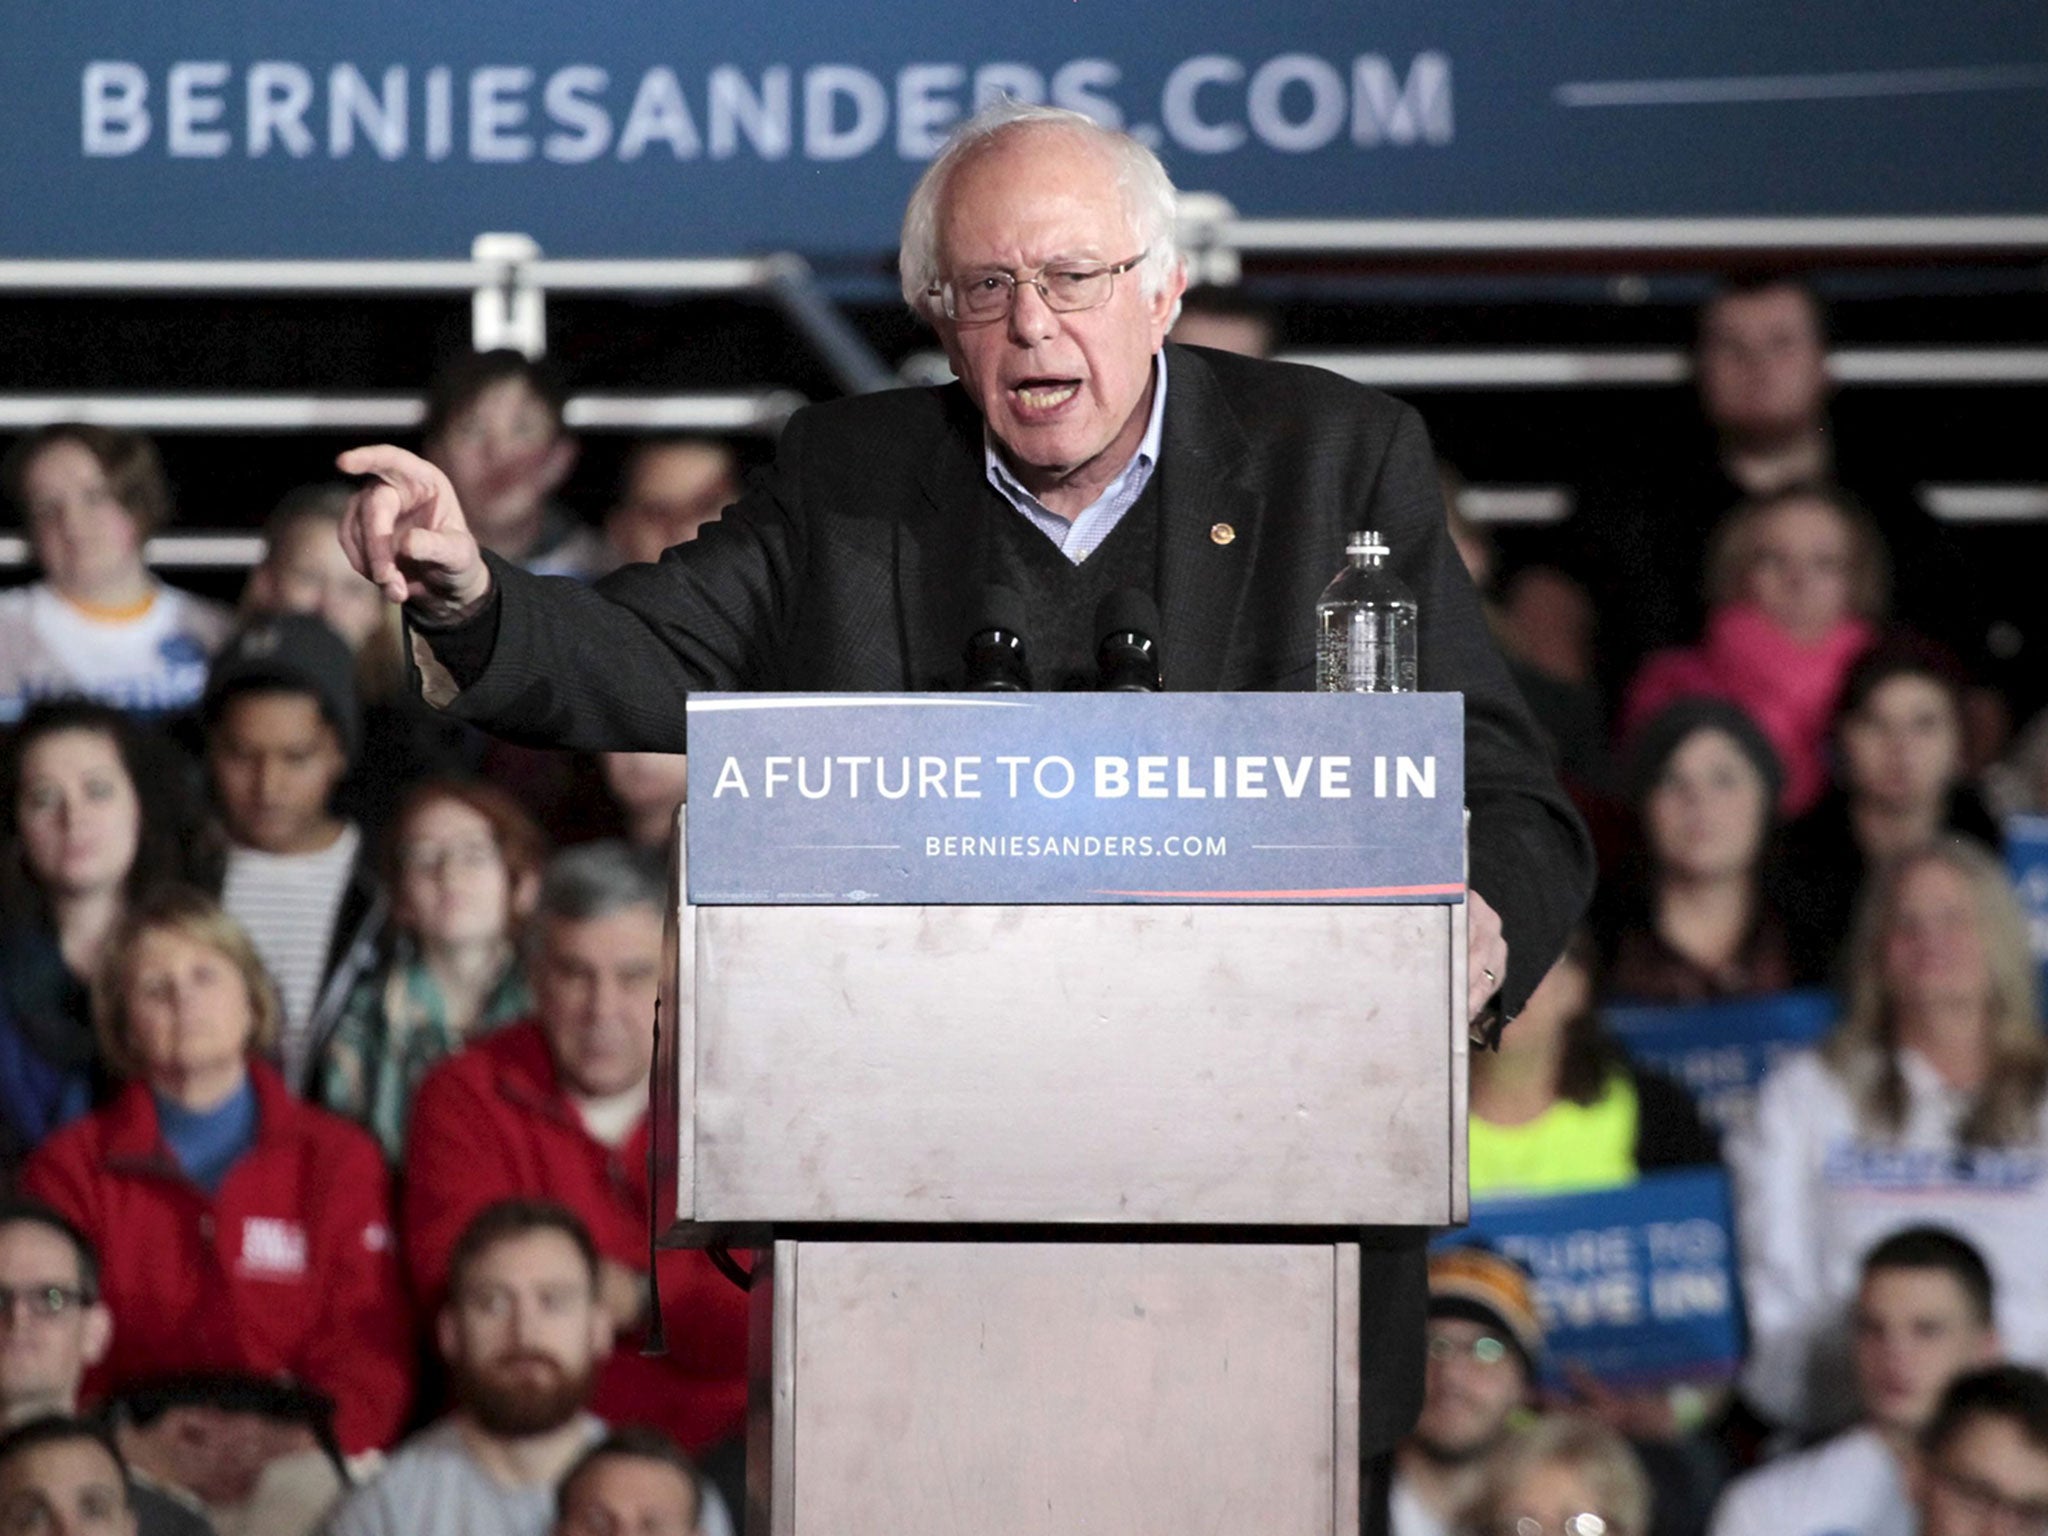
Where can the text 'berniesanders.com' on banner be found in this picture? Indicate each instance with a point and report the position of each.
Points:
(1076, 798)
(643, 128)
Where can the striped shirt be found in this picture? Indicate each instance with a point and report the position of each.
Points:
(288, 902)
(1080, 538)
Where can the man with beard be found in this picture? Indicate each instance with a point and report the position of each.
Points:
(1484, 1342)
(554, 1107)
(522, 1332)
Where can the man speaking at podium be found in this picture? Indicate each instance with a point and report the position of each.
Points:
(1078, 455)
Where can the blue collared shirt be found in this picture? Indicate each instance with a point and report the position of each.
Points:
(1080, 538)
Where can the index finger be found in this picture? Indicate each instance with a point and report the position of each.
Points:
(390, 481)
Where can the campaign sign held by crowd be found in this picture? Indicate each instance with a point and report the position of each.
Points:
(1722, 1050)
(2026, 855)
(1635, 1284)
(1066, 798)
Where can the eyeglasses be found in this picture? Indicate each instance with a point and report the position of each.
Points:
(1486, 1349)
(1585, 1523)
(1987, 1504)
(1065, 286)
(42, 1300)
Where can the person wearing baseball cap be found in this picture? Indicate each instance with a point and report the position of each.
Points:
(282, 725)
(1485, 1347)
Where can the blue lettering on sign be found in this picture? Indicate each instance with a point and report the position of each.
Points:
(1985, 1170)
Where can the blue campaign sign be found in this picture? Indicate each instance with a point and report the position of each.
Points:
(1076, 797)
(2026, 855)
(640, 127)
(1722, 1050)
(1637, 1285)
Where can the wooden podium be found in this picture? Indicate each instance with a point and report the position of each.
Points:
(1055, 1207)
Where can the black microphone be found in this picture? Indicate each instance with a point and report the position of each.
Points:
(996, 662)
(1126, 655)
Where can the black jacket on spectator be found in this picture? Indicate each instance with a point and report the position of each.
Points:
(1826, 869)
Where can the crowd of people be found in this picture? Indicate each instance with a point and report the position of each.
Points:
(325, 1045)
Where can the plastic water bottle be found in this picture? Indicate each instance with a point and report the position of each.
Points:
(1365, 625)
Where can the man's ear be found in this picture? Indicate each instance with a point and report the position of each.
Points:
(525, 894)
(602, 1334)
(96, 1336)
(1165, 305)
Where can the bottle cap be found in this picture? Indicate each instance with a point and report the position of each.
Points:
(1365, 542)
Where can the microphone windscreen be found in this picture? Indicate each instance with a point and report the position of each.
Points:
(1000, 608)
(1124, 611)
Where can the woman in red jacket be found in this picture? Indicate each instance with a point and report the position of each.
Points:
(239, 1230)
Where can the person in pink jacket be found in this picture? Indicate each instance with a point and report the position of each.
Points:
(1796, 584)
(240, 1230)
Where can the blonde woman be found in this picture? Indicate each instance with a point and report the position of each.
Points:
(1563, 1476)
(1925, 1105)
(239, 1230)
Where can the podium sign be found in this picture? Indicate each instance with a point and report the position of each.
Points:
(1066, 799)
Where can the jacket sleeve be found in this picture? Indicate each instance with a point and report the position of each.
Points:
(454, 1167)
(361, 1351)
(1669, 1130)
(60, 1173)
(1529, 853)
(709, 614)
(1775, 1227)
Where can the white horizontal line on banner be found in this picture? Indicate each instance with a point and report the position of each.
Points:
(1839, 86)
(1495, 504)
(194, 550)
(1598, 369)
(1501, 370)
(744, 411)
(1366, 237)
(1986, 503)
(683, 274)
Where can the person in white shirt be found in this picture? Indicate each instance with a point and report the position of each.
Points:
(281, 728)
(523, 1331)
(97, 623)
(1923, 1318)
(523, 1334)
(1484, 1342)
(1929, 1103)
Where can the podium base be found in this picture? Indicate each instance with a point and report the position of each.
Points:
(1052, 1388)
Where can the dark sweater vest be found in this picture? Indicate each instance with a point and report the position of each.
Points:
(1061, 596)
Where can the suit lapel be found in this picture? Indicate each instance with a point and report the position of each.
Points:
(940, 563)
(1209, 526)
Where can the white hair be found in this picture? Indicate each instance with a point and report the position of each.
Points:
(1149, 198)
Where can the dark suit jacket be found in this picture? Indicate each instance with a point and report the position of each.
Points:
(855, 561)
(854, 564)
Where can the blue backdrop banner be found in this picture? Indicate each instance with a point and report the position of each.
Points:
(1637, 1284)
(1721, 1050)
(1076, 797)
(644, 127)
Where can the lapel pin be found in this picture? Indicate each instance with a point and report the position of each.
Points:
(1221, 533)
